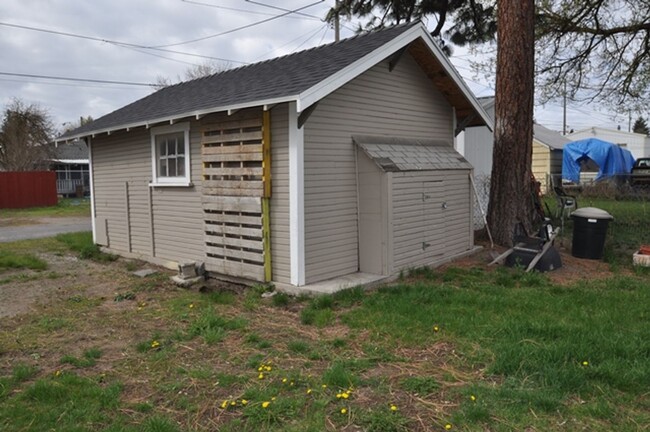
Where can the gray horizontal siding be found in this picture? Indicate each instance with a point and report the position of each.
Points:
(400, 103)
(280, 254)
(177, 214)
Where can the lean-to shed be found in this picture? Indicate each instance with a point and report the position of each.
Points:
(255, 172)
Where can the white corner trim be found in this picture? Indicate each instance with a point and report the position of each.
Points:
(296, 197)
(92, 188)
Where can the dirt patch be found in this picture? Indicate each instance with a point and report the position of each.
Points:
(573, 269)
(18, 221)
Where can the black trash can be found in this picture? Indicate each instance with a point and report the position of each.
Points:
(589, 232)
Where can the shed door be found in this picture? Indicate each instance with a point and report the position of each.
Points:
(433, 217)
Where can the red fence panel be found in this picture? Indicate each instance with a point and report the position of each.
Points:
(27, 189)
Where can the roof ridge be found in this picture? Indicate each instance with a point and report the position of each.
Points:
(285, 56)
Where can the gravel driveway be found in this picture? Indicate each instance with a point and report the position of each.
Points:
(44, 227)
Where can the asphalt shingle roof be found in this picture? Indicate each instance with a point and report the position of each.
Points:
(280, 77)
(75, 150)
(403, 154)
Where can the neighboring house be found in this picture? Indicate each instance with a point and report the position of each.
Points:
(70, 161)
(477, 144)
(637, 144)
(335, 162)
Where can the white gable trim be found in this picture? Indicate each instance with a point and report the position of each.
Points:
(334, 82)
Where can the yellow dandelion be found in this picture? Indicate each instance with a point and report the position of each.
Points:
(57, 373)
(155, 344)
(585, 363)
(345, 395)
(393, 407)
(260, 376)
(324, 386)
(260, 369)
(267, 368)
(224, 404)
(339, 395)
(436, 328)
(266, 404)
(284, 380)
(233, 403)
(291, 383)
(344, 410)
(244, 402)
(191, 305)
(308, 391)
(473, 398)
(273, 398)
(448, 426)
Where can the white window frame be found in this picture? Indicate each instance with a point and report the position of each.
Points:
(170, 181)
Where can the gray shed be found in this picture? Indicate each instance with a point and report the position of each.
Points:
(254, 170)
(415, 203)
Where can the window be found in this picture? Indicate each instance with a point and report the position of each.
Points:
(170, 159)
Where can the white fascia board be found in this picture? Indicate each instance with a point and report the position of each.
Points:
(171, 119)
(460, 82)
(337, 80)
(296, 197)
(71, 161)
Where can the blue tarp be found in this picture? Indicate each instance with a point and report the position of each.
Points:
(611, 159)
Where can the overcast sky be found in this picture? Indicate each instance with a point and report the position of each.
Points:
(114, 41)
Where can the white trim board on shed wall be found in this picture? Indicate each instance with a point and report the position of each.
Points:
(296, 197)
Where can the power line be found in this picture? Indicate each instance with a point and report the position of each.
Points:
(114, 42)
(305, 16)
(76, 79)
(283, 9)
(236, 29)
(310, 34)
(61, 84)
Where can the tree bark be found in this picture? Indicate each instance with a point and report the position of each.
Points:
(511, 201)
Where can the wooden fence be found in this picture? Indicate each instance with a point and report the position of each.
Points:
(27, 189)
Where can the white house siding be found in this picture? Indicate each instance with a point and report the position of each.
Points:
(400, 103)
(125, 157)
(420, 217)
(280, 255)
(637, 144)
(477, 147)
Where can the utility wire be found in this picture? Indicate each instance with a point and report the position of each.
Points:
(116, 43)
(305, 16)
(76, 79)
(256, 23)
(283, 9)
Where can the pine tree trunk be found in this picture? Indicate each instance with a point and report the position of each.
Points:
(510, 191)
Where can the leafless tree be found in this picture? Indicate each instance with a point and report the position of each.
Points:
(24, 137)
(193, 72)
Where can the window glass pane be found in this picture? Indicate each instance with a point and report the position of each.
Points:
(170, 149)
(180, 166)
(171, 168)
(162, 172)
(181, 145)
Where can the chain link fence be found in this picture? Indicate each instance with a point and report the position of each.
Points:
(629, 205)
(481, 199)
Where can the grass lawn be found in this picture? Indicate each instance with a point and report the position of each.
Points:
(67, 207)
(457, 348)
